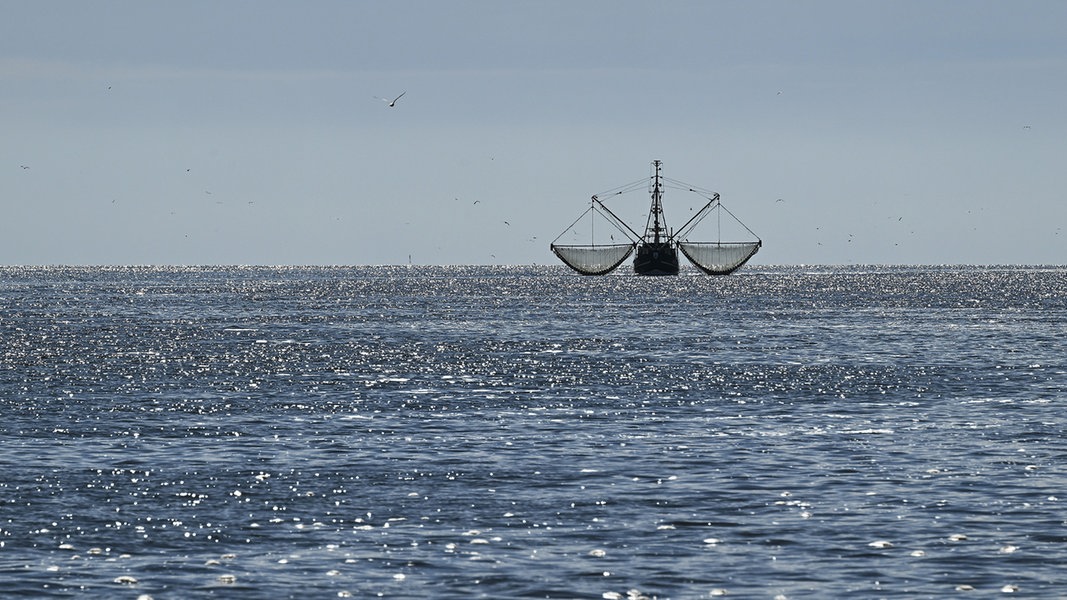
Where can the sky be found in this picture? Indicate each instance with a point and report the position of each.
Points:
(252, 132)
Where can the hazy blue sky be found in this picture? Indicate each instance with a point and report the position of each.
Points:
(248, 132)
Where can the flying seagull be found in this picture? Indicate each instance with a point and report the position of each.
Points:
(392, 102)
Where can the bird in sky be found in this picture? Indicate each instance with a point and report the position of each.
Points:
(392, 103)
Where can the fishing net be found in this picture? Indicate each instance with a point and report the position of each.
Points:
(719, 258)
(593, 259)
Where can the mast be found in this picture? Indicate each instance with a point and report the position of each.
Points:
(656, 213)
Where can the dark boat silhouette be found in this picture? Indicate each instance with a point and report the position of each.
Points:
(657, 249)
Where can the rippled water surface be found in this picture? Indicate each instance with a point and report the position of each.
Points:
(526, 432)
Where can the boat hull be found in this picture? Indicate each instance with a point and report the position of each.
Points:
(656, 259)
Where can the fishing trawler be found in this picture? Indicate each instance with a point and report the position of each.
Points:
(657, 249)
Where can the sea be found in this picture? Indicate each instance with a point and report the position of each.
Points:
(526, 432)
